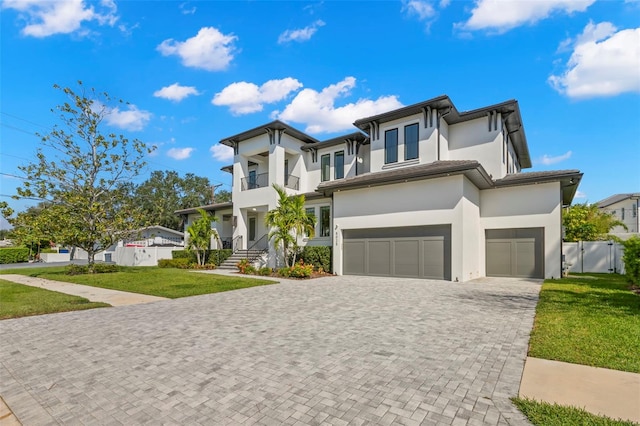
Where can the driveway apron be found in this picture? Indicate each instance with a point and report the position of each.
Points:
(335, 350)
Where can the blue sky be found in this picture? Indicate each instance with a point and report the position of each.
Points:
(195, 72)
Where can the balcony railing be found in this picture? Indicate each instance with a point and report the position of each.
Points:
(262, 181)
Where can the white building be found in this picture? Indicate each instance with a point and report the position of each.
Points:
(623, 207)
(422, 191)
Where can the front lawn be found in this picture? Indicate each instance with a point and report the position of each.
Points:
(17, 300)
(589, 319)
(544, 414)
(163, 282)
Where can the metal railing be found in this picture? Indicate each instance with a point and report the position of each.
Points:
(262, 181)
(261, 243)
(236, 243)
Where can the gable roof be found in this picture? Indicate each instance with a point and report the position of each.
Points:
(261, 130)
(510, 110)
(355, 136)
(162, 228)
(617, 198)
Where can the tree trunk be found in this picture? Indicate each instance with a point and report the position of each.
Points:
(91, 256)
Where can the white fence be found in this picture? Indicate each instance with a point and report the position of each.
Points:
(594, 256)
(141, 256)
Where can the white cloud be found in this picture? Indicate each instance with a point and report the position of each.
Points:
(179, 153)
(503, 15)
(245, 98)
(302, 34)
(580, 194)
(46, 18)
(130, 119)
(548, 160)
(187, 11)
(604, 62)
(209, 49)
(175, 92)
(422, 9)
(318, 111)
(221, 152)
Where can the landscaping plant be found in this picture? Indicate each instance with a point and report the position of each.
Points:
(631, 259)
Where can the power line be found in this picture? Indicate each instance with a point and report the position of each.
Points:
(14, 176)
(23, 119)
(21, 198)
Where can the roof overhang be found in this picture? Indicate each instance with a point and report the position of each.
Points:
(261, 130)
(569, 181)
(207, 208)
(359, 137)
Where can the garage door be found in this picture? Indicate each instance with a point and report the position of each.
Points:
(515, 252)
(416, 252)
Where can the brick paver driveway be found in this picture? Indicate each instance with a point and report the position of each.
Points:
(337, 350)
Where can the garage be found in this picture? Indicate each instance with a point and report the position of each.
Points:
(516, 252)
(412, 252)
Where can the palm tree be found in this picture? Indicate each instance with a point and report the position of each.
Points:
(287, 221)
(200, 233)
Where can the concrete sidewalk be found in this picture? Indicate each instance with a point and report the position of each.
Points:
(601, 391)
(94, 294)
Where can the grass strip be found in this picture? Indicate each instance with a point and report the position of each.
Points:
(589, 319)
(544, 414)
(154, 281)
(17, 300)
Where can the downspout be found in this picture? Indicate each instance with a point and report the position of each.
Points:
(438, 128)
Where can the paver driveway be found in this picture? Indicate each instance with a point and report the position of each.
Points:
(337, 350)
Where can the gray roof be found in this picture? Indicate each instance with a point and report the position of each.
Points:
(261, 130)
(207, 208)
(617, 198)
(357, 136)
(508, 109)
(569, 181)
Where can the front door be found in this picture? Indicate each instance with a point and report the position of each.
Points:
(252, 229)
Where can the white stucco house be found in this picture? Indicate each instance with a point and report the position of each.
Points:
(623, 207)
(423, 191)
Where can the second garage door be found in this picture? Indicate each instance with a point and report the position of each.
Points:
(416, 252)
(515, 252)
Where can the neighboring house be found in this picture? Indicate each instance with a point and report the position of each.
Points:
(623, 207)
(424, 191)
(223, 227)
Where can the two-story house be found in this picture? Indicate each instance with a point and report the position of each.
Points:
(423, 191)
(623, 207)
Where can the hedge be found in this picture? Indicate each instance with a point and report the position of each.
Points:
(631, 259)
(214, 257)
(318, 256)
(181, 263)
(14, 254)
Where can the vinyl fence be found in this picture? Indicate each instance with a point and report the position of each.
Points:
(594, 256)
(141, 256)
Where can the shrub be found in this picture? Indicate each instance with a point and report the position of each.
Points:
(245, 267)
(14, 254)
(49, 250)
(319, 256)
(265, 271)
(299, 270)
(631, 259)
(104, 268)
(77, 269)
(213, 257)
(98, 268)
(181, 263)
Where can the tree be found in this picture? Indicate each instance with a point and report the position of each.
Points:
(82, 173)
(33, 231)
(165, 192)
(584, 222)
(288, 221)
(200, 233)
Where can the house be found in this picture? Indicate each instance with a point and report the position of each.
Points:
(423, 191)
(623, 207)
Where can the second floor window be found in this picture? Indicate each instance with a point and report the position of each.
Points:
(252, 179)
(338, 165)
(411, 141)
(391, 146)
(325, 167)
(325, 221)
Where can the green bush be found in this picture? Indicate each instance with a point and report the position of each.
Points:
(181, 263)
(49, 250)
(631, 259)
(14, 254)
(299, 270)
(213, 257)
(265, 271)
(98, 268)
(319, 257)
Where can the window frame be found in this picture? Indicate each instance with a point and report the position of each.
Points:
(388, 149)
(325, 228)
(337, 168)
(417, 142)
(313, 213)
(323, 177)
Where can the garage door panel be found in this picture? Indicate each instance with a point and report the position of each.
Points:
(379, 257)
(407, 258)
(433, 258)
(516, 252)
(499, 258)
(354, 257)
(525, 258)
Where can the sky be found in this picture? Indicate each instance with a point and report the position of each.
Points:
(194, 72)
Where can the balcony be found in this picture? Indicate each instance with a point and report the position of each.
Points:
(262, 181)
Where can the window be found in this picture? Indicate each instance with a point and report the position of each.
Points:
(252, 229)
(286, 172)
(310, 211)
(338, 165)
(411, 141)
(325, 167)
(634, 210)
(252, 179)
(325, 221)
(622, 213)
(391, 146)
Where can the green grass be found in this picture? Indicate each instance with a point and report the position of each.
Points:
(544, 414)
(163, 282)
(589, 319)
(17, 300)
